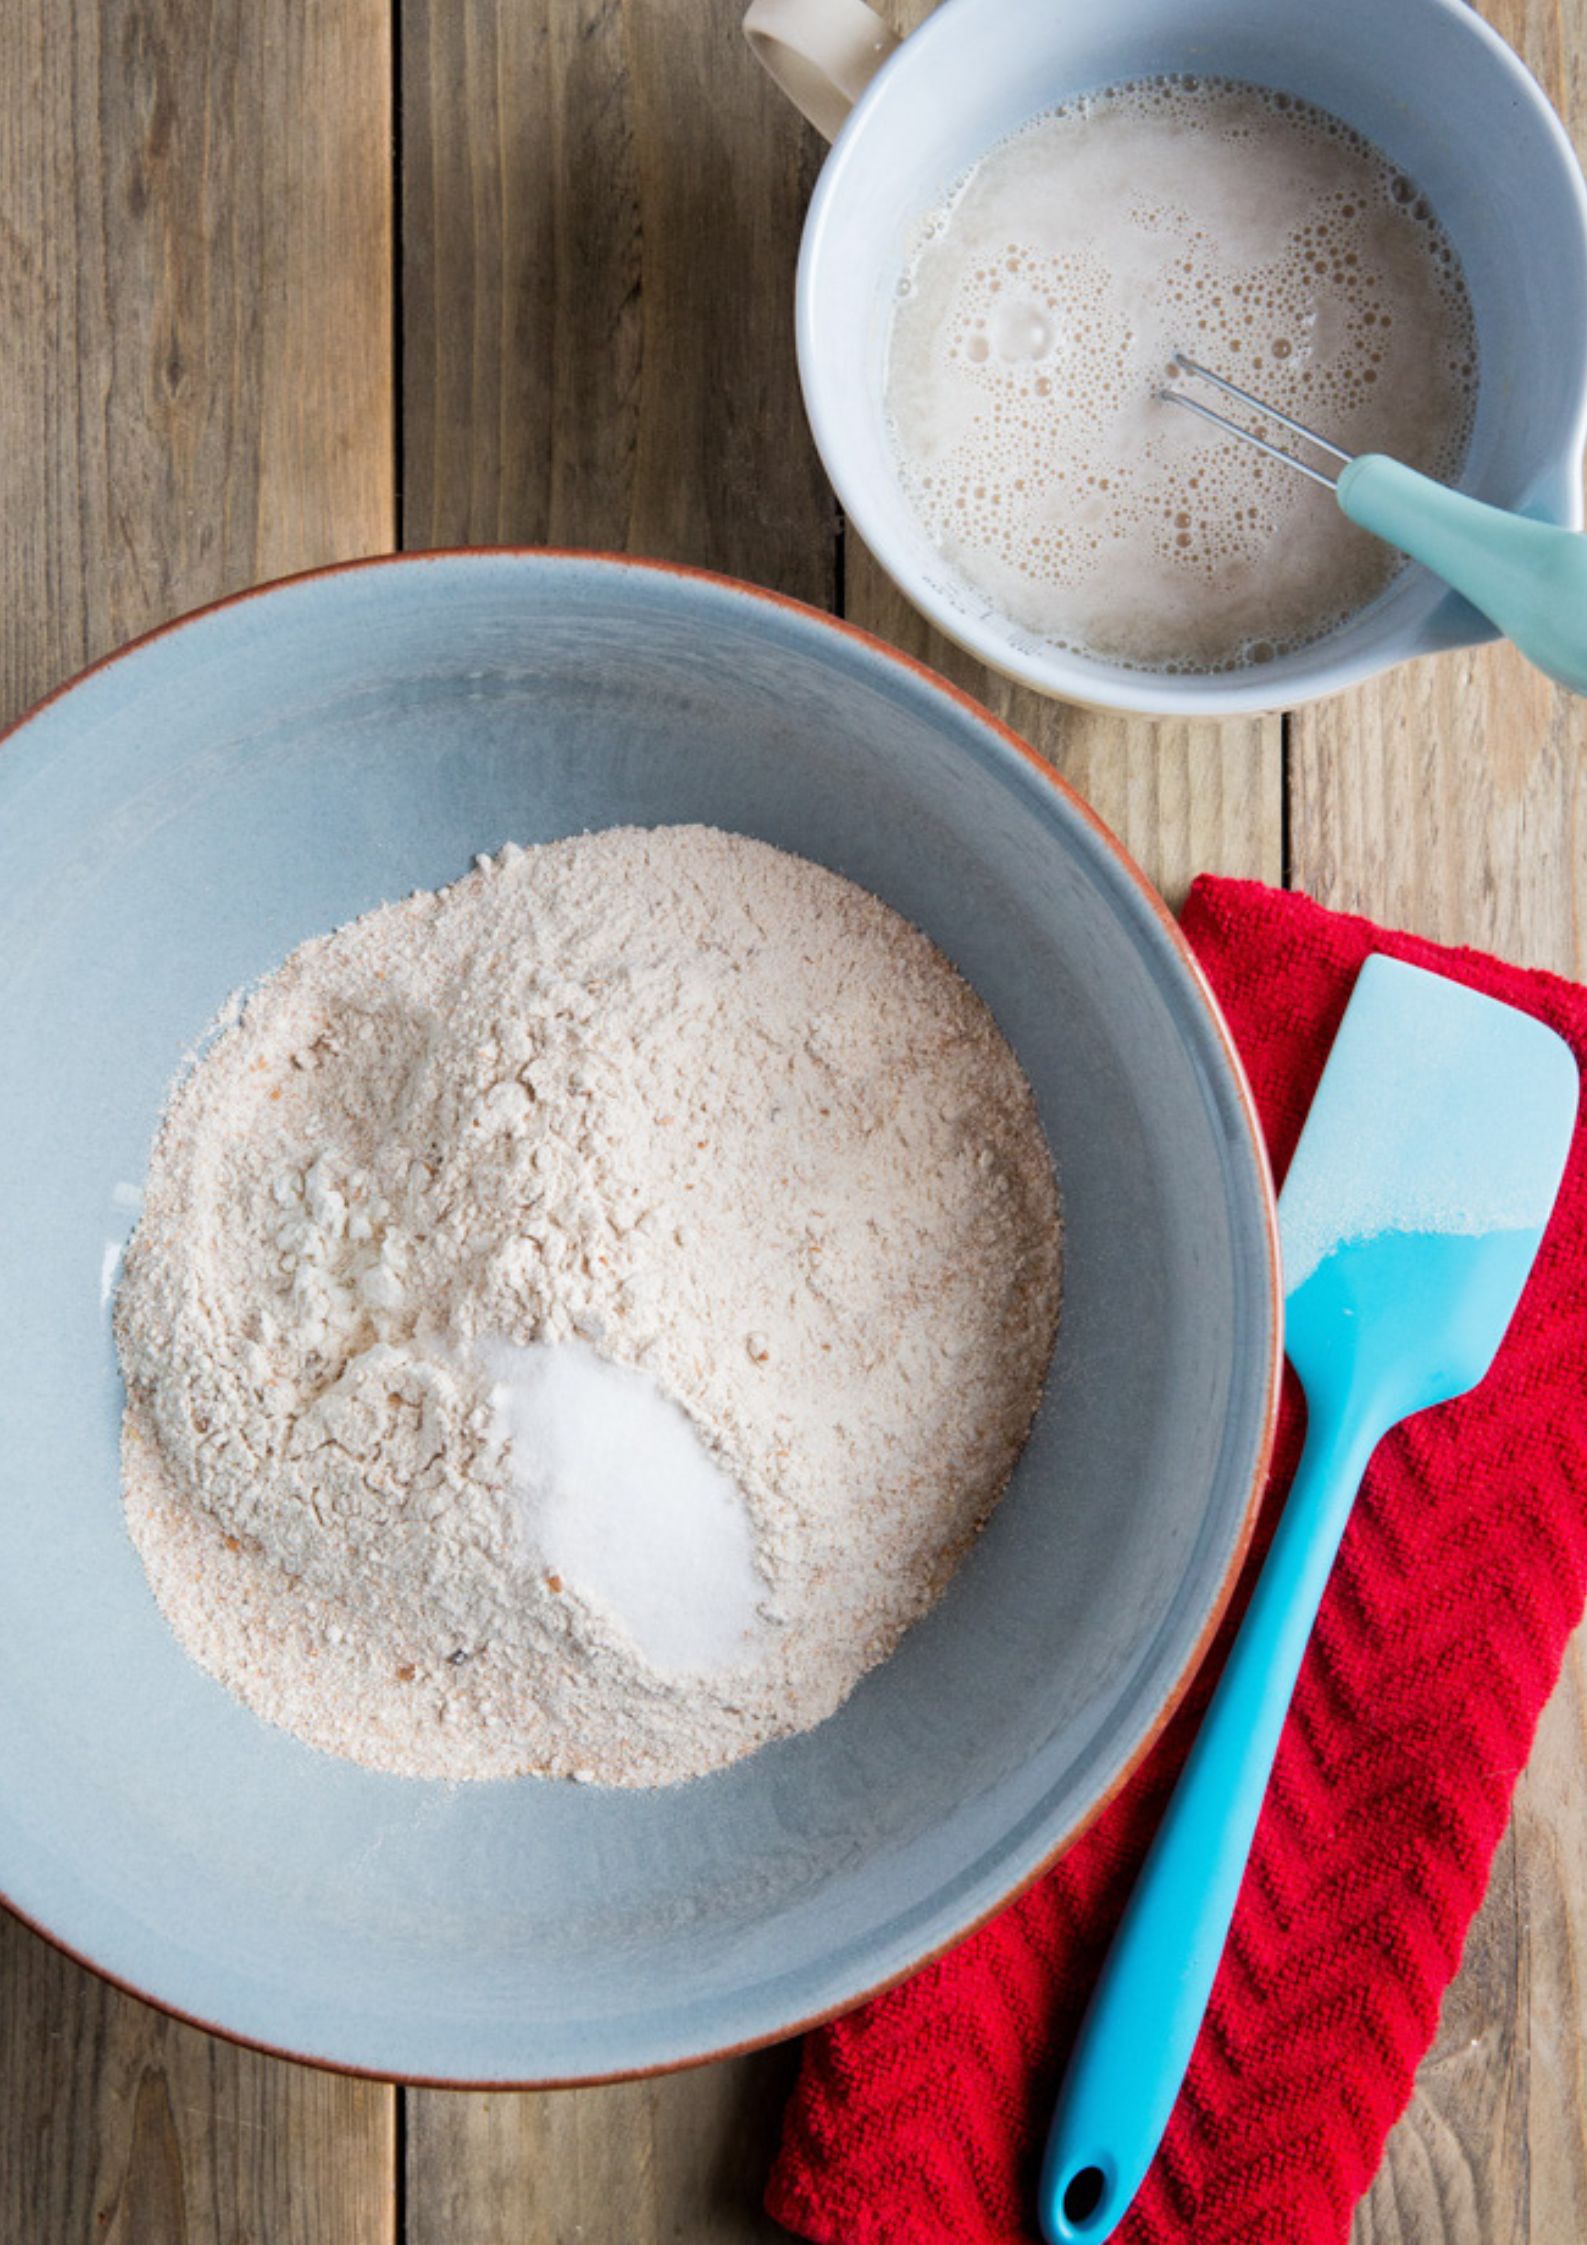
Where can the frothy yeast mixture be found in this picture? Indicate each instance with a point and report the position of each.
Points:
(1037, 315)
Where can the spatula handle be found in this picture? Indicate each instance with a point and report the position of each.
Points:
(1133, 2049)
(1529, 578)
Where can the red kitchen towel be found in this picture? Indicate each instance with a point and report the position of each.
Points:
(919, 2119)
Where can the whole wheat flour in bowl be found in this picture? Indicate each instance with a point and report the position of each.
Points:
(580, 1317)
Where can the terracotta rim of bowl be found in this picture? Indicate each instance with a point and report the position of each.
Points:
(1076, 805)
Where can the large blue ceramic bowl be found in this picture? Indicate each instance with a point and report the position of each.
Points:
(175, 822)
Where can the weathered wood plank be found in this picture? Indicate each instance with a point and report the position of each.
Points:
(195, 208)
(601, 207)
(119, 2126)
(195, 391)
(683, 2157)
(1449, 798)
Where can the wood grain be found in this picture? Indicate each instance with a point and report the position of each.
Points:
(682, 2158)
(197, 367)
(118, 2125)
(1450, 798)
(195, 392)
(601, 209)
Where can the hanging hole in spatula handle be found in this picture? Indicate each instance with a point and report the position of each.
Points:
(1084, 2206)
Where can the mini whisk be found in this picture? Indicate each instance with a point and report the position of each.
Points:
(1528, 578)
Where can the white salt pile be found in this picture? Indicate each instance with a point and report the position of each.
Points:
(620, 1499)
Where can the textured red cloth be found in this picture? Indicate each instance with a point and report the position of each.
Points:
(919, 2119)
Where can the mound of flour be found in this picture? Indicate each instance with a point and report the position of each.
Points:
(703, 1108)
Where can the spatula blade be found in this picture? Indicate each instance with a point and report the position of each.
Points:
(1424, 1178)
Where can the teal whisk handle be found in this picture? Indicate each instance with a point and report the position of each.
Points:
(1529, 578)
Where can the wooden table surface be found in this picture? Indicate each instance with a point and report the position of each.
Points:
(284, 281)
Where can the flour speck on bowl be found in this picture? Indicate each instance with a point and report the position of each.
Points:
(580, 1317)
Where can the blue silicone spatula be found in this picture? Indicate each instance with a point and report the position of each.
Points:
(1409, 1221)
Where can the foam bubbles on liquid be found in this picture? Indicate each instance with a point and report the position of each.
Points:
(1045, 299)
